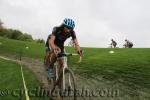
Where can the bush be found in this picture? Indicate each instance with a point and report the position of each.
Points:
(15, 34)
(3, 32)
(25, 37)
(40, 41)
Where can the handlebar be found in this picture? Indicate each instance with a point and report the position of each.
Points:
(70, 54)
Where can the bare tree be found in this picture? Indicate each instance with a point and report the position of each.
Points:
(1, 24)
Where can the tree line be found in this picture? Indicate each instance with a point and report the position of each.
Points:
(17, 34)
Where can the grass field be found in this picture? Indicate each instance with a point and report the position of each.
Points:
(17, 47)
(125, 69)
(11, 83)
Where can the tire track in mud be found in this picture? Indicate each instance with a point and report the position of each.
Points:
(91, 89)
(37, 68)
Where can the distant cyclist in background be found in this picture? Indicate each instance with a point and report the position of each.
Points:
(55, 43)
(113, 43)
(128, 44)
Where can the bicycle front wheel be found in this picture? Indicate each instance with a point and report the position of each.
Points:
(68, 85)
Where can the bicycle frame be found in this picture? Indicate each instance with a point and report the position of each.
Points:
(64, 77)
(63, 70)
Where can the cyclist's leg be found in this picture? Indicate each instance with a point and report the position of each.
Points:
(52, 60)
(60, 70)
(61, 63)
(46, 61)
(61, 59)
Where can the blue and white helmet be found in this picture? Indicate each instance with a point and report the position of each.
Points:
(69, 23)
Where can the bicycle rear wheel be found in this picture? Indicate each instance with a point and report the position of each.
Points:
(68, 85)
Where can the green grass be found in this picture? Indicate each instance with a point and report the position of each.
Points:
(17, 47)
(11, 80)
(127, 68)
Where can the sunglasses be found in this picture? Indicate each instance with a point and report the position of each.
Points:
(68, 28)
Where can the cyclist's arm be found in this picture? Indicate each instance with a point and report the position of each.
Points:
(51, 43)
(77, 46)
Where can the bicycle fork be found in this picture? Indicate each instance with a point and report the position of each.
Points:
(69, 79)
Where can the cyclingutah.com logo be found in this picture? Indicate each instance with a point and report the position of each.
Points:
(45, 92)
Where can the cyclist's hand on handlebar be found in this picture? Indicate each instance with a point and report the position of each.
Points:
(56, 50)
(81, 55)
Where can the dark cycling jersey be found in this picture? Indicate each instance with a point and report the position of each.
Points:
(60, 37)
(47, 44)
(114, 43)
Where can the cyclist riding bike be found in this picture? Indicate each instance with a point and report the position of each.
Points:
(55, 43)
(113, 43)
(128, 44)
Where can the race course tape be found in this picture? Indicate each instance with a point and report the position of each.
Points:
(24, 83)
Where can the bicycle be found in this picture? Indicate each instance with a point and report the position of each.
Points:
(64, 83)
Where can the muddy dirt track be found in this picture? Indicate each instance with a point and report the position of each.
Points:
(85, 86)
